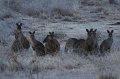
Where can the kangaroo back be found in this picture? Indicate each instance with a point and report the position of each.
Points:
(23, 40)
(78, 46)
(70, 44)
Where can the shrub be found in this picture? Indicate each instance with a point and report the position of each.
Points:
(107, 77)
(14, 5)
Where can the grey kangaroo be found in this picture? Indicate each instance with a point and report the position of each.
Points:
(37, 46)
(89, 44)
(16, 46)
(92, 41)
(70, 44)
(20, 41)
(52, 45)
(107, 43)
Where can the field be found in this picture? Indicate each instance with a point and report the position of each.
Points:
(67, 19)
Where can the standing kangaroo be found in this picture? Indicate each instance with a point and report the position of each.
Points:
(52, 45)
(20, 41)
(16, 46)
(93, 40)
(107, 43)
(37, 46)
(90, 44)
(95, 44)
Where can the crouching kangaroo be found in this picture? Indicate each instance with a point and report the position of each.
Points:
(70, 44)
(73, 44)
(37, 46)
(82, 45)
(107, 43)
(52, 45)
(20, 41)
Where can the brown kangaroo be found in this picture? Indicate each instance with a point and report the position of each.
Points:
(20, 41)
(91, 41)
(89, 44)
(70, 44)
(52, 45)
(37, 46)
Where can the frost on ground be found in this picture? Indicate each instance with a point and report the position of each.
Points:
(53, 17)
(63, 65)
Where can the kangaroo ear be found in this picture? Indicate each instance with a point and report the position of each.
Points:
(112, 31)
(108, 31)
(50, 33)
(30, 32)
(95, 30)
(33, 32)
(87, 30)
(17, 24)
(20, 24)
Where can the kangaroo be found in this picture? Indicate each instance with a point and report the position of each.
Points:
(107, 43)
(96, 46)
(37, 46)
(89, 41)
(95, 42)
(90, 44)
(73, 44)
(20, 41)
(78, 45)
(81, 44)
(70, 44)
(16, 46)
(52, 45)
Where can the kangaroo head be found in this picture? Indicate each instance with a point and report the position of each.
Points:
(110, 33)
(17, 31)
(49, 37)
(89, 32)
(32, 34)
(19, 26)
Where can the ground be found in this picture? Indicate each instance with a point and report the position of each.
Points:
(64, 65)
